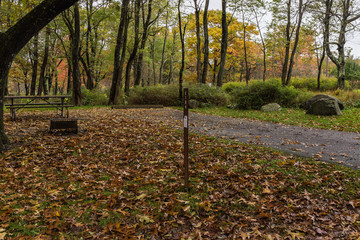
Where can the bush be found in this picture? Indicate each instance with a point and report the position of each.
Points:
(94, 97)
(326, 84)
(166, 95)
(229, 87)
(208, 95)
(349, 98)
(258, 94)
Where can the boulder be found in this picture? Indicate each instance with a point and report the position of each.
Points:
(306, 105)
(271, 107)
(325, 107)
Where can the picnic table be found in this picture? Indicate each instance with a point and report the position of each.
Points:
(16, 103)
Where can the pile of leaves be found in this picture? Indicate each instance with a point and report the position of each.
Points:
(122, 178)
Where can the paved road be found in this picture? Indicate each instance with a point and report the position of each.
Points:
(326, 145)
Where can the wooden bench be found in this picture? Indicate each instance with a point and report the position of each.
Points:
(30, 103)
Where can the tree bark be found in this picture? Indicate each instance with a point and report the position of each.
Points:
(76, 77)
(182, 39)
(42, 85)
(320, 67)
(147, 23)
(153, 59)
(35, 62)
(262, 43)
(16, 37)
(206, 44)
(301, 10)
(163, 49)
(287, 45)
(69, 77)
(120, 43)
(224, 44)
(247, 69)
(135, 47)
(345, 18)
(198, 42)
(89, 51)
(171, 73)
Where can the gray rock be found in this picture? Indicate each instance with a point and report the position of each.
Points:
(271, 107)
(306, 105)
(325, 107)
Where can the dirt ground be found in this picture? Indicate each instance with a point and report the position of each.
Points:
(325, 145)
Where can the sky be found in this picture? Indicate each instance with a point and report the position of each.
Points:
(353, 39)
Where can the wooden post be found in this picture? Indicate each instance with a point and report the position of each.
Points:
(186, 137)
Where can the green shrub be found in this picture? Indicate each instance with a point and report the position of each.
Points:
(229, 87)
(208, 95)
(258, 94)
(326, 84)
(94, 97)
(348, 97)
(166, 95)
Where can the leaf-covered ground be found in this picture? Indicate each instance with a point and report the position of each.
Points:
(121, 178)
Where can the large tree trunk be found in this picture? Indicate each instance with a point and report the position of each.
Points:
(69, 77)
(301, 10)
(42, 84)
(76, 93)
(206, 44)
(346, 17)
(287, 45)
(153, 59)
(15, 38)
(336, 60)
(120, 42)
(198, 42)
(135, 48)
(262, 43)
(224, 44)
(56, 85)
(163, 49)
(89, 56)
(247, 68)
(34, 63)
(320, 67)
(144, 38)
(171, 73)
(182, 39)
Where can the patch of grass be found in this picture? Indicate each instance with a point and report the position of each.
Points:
(348, 121)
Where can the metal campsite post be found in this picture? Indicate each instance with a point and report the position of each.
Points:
(186, 137)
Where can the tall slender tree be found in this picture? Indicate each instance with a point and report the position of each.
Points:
(34, 55)
(206, 43)
(119, 55)
(135, 47)
(182, 31)
(166, 32)
(75, 57)
(42, 85)
(343, 17)
(224, 43)
(197, 7)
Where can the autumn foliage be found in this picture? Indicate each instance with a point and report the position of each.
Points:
(121, 177)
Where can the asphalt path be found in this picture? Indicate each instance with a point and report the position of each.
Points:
(325, 145)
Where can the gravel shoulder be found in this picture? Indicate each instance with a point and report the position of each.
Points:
(324, 145)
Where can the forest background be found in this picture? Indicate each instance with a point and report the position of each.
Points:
(110, 46)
